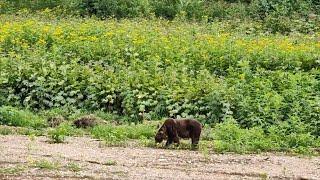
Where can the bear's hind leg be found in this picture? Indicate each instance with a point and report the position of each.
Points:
(195, 141)
(196, 136)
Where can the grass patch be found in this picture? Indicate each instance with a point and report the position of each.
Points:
(204, 145)
(230, 137)
(59, 134)
(113, 134)
(5, 130)
(23, 118)
(224, 137)
(147, 143)
(44, 164)
(73, 167)
(12, 170)
(291, 136)
(10, 130)
(110, 163)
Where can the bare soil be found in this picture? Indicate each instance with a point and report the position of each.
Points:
(86, 158)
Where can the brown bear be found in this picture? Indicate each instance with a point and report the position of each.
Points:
(173, 129)
(85, 122)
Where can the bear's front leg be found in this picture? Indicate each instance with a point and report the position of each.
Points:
(176, 140)
(169, 141)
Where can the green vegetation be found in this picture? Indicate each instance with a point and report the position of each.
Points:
(58, 134)
(44, 164)
(15, 117)
(73, 167)
(12, 170)
(289, 136)
(292, 137)
(205, 73)
(273, 15)
(117, 134)
(6, 130)
(247, 69)
(110, 163)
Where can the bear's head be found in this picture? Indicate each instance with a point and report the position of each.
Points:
(161, 135)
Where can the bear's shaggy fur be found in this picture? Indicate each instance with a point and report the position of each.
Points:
(173, 129)
(86, 121)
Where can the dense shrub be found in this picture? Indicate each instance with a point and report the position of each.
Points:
(166, 8)
(273, 96)
(230, 137)
(276, 16)
(151, 69)
(11, 6)
(285, 136)
(109, 8)
(193, 9)
(263, 8)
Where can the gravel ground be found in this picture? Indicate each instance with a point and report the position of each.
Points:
(82, 157)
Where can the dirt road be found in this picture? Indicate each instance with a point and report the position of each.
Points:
(24, 158)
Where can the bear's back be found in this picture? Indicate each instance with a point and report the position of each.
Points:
(187, 127)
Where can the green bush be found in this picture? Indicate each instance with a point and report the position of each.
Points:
(10, 6)
(266, 98)
(168, 9)
(230, 137)
(291, 135)
(59, 134)
(111, 8)
(15, 117)
(263, 8)
(286, 16)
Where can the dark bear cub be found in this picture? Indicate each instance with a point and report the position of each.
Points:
(173, 129)
(85, 122)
